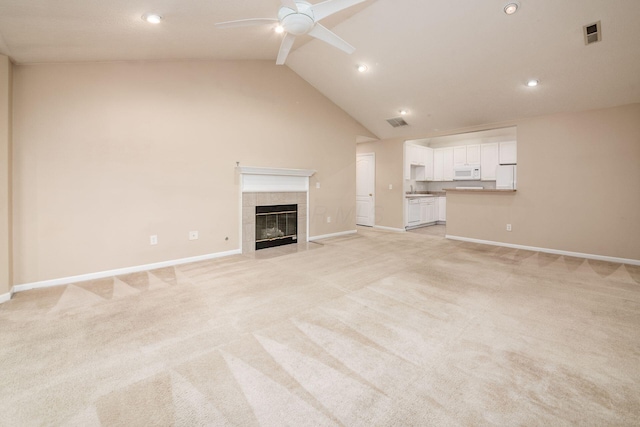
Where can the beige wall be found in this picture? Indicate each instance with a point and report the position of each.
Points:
(108, 154)
(578, 187)
(389, 170)
(5, 176)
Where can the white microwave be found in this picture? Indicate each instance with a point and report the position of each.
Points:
(466, 173)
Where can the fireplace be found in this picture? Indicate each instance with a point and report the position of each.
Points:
(269, 187)
(276, 225)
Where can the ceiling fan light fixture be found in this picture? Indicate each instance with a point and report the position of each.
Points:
(533, 83)
(152, 18)
(279, 29)
(511, 8)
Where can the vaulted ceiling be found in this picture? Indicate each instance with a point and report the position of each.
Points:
(449, 64)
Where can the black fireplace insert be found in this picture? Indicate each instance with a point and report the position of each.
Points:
(276, 225)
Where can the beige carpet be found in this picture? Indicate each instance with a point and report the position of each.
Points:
(373, 329)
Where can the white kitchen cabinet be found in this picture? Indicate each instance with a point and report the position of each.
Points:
(427, 158)
(418, 160)
(459, 156)
(416, 155)
(422, 161)
(508, 153)
(473, 154)
(443, 164)
(421, 210)
(438, 164)
(442, 209)
(410, 158)
(488, 161)
(428, 210)
(447, 160)
(424, 211)
(466, 155)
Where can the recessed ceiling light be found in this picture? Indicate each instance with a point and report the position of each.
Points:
(532, 83)
(403, 112)
(152, 18)
(511, 8)
(279, 29)
(362, 68)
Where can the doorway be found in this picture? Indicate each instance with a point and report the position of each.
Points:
(365, 189)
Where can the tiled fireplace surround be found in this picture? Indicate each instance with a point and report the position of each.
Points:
(264, 186)
(249, 202)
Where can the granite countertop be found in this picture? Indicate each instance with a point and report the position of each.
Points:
(426, 194)
(478, 190)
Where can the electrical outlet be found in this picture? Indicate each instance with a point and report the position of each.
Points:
(153, 240)
(390, 186)
(193, 235)
(317, 185)
(508, 227)
(328, 219)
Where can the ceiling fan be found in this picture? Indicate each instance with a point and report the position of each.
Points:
(298, 17)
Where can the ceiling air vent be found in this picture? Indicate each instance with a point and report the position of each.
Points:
(592, 33)
(397, 122)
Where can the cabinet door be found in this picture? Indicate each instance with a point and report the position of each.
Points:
(508, 153)
(438, 164)
(473, 154)
(459, 156)
(432, 212)
(488, 161)
(424, 213)
(447, 163)
(410, 158)
(442, 208)
(427, 154)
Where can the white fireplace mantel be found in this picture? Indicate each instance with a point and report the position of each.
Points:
(250, 170)
(260, 179)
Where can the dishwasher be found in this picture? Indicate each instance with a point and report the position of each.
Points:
(413, 216)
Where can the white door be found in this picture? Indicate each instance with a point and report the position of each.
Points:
(365, 185)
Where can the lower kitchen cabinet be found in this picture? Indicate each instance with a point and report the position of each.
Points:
(428, 210)
(442, 209)
(425, 210)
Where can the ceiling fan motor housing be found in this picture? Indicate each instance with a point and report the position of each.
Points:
(297, 23)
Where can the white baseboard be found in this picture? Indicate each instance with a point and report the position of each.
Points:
(326, 236)
(382, 227)
(120, 271)
(5, 297)
(548, 251)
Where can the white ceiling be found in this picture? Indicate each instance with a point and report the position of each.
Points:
(450, 64)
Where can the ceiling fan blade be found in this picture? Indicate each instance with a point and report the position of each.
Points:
(329, 7)
(285, 47)
(246, 22)
(291, 4)
(322, 33)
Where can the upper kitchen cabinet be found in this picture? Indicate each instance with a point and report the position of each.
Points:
(443, 164)
(508, 153)
(466, 155)
(418, 163)
(427, 157)
(488, 161)
(448, 164)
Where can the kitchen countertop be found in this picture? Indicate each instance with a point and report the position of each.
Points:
(426, 194)
(479, 190)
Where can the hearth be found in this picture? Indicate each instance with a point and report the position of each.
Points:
(276, 225)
